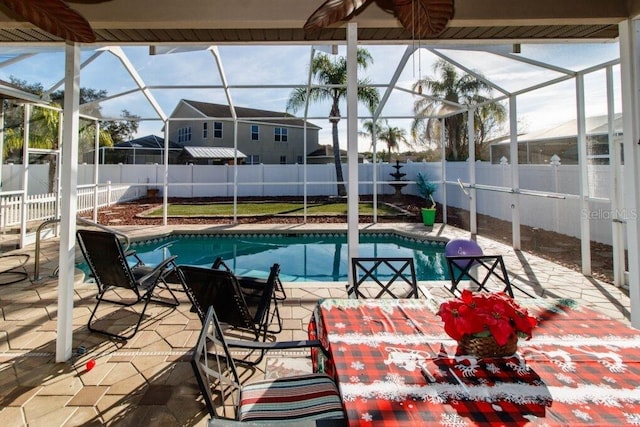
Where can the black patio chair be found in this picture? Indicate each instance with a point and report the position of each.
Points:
(245, 313)
(379, 277)
(304, 398)
(254, 285)
(484, 273)
(112, 271)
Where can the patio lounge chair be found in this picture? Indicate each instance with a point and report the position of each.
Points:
(111, 271)
(242, 312)
(304, 398)
(252, 285)
(394, 277)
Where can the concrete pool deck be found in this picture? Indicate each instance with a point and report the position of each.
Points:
(147, 380)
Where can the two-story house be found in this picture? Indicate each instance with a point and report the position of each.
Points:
(263, 136)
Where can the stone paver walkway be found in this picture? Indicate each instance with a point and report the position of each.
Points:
(148, 380)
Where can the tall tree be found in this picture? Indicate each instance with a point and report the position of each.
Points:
(462, 89)
(331, 78)
(392, 136)
(368, 130)
(44, 125)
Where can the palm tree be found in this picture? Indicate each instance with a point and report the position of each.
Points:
(463, 89)
(333, 74)
(368, 129)
(393, 136)
(390, 135)
(43, 133)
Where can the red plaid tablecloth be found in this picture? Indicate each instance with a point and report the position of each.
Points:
(580, 368)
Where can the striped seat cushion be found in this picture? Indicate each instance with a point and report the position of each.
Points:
(311, 397)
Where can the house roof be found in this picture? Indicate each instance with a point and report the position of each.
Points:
(224, 111)
(595, 125)
(327, 151)
(149, 141)
(213, 153)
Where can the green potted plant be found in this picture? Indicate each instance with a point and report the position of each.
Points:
(426, 189)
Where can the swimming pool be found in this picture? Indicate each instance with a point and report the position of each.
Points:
(320, 257)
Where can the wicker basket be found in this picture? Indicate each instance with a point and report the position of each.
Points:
(487, 346)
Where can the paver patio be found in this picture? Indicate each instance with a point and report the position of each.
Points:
(148, 380)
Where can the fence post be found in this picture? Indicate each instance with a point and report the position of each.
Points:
(555, 164)
(108, 193)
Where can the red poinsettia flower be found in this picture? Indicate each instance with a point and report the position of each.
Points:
(481, 313)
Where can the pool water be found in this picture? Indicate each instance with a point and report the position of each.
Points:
(314, 257)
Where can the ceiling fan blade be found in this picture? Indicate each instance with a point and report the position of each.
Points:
(333, 11)
(55, 17)
(423, 18)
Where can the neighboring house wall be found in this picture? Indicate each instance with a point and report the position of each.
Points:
(275, 143)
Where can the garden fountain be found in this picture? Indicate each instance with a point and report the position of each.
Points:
(397, 175)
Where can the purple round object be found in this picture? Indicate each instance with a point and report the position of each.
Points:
(462, 247)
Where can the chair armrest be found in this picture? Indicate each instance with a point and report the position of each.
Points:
(163, 265)
(276, 345)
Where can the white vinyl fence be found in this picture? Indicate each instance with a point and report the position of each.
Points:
(42, 207)
(560, 212)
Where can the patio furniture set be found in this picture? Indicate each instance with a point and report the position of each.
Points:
(381, 356)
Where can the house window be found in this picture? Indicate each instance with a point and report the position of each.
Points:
(217, 129)
(299, 160)
(252, 159)
(281, 134)
(184, 134)
(255, 132)
(283, 160)
(205, 130)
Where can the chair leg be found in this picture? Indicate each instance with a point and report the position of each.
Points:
(173, 302)
(275, 315)
(110, 334)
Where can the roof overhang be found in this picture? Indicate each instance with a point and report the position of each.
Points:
(124, 22)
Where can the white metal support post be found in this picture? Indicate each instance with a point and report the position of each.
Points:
(69, 183)
(96, 176)
(583, 178)
(616, 195)
(1, 142)
(629, 69)
(25, 174)
(165, 175)
(352, 145)
(443, 171)
(473, 211)
(515, 176)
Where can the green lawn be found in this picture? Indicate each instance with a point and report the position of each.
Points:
(276, 208)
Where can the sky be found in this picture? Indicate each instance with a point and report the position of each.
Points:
(281, 65)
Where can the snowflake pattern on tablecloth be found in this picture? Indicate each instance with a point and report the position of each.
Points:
(453, 420)
(564, 378)
(357, 365)
(584, 416)
(633, 419)
(366, 417)
(520, 368)
(493, 368)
